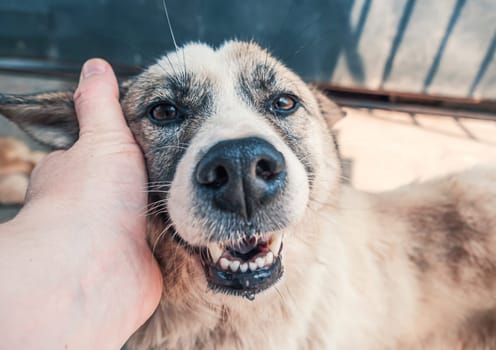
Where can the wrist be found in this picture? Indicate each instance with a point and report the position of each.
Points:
(56, 298)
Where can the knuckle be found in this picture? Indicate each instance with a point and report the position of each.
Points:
(95, 95)
(82, 96)
(47, 161)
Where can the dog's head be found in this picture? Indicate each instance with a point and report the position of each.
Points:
(238, 150)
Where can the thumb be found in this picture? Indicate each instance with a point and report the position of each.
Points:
(97, 100)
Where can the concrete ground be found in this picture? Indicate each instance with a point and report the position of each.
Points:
(389, 149)
(381, 149)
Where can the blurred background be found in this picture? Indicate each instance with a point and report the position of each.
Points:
(443, 47)
(417, 77)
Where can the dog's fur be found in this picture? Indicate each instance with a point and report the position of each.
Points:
(16, 163)
(408, 269)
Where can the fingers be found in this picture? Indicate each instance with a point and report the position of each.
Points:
(97, 100)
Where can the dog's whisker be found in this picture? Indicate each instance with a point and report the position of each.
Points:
(160, 236)
(155, 208)
(170, 25)
(163, 187)
(158, 148)
(155, 203)
(159, 182)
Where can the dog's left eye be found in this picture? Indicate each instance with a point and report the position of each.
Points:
(285, 104)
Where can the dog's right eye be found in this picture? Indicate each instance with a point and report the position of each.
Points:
(163, 113)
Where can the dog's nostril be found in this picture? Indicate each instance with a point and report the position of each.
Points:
(266, 169)
(221, 176)
(214, 177)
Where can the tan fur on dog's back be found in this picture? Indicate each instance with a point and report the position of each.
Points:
(413, 268)
(444, 232)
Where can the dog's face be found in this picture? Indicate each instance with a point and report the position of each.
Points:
(237, 148)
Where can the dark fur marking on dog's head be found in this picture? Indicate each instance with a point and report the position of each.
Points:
(164, 146)
(192, 94)
(257, 86)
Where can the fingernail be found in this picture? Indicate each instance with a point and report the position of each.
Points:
(93, 67)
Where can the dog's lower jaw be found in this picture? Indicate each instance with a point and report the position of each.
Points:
(192, 317)
(331, 289)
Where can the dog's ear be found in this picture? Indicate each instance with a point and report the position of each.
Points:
(330, 110)
(49, 118)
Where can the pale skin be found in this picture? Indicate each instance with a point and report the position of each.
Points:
(75, 269)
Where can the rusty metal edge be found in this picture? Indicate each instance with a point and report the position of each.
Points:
(346, 96)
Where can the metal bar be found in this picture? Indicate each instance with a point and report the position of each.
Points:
(410, 108)
(345, 96)
(411, 102)
(400, 94)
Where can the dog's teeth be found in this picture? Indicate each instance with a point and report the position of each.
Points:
(230, 263)
(243, 267)
(215, 252)
(275, 243)
(235, 265)
(224, 263)
(269, 258)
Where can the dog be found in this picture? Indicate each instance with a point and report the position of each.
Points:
(16, 163)
(260, 243)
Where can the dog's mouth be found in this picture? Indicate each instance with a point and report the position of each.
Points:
(246, 268)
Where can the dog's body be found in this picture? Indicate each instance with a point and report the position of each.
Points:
(241, 157)
(408, 269)
(16, 163)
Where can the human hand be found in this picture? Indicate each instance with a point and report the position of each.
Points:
(80, 272)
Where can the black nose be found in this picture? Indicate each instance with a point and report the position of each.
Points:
(241, 176)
